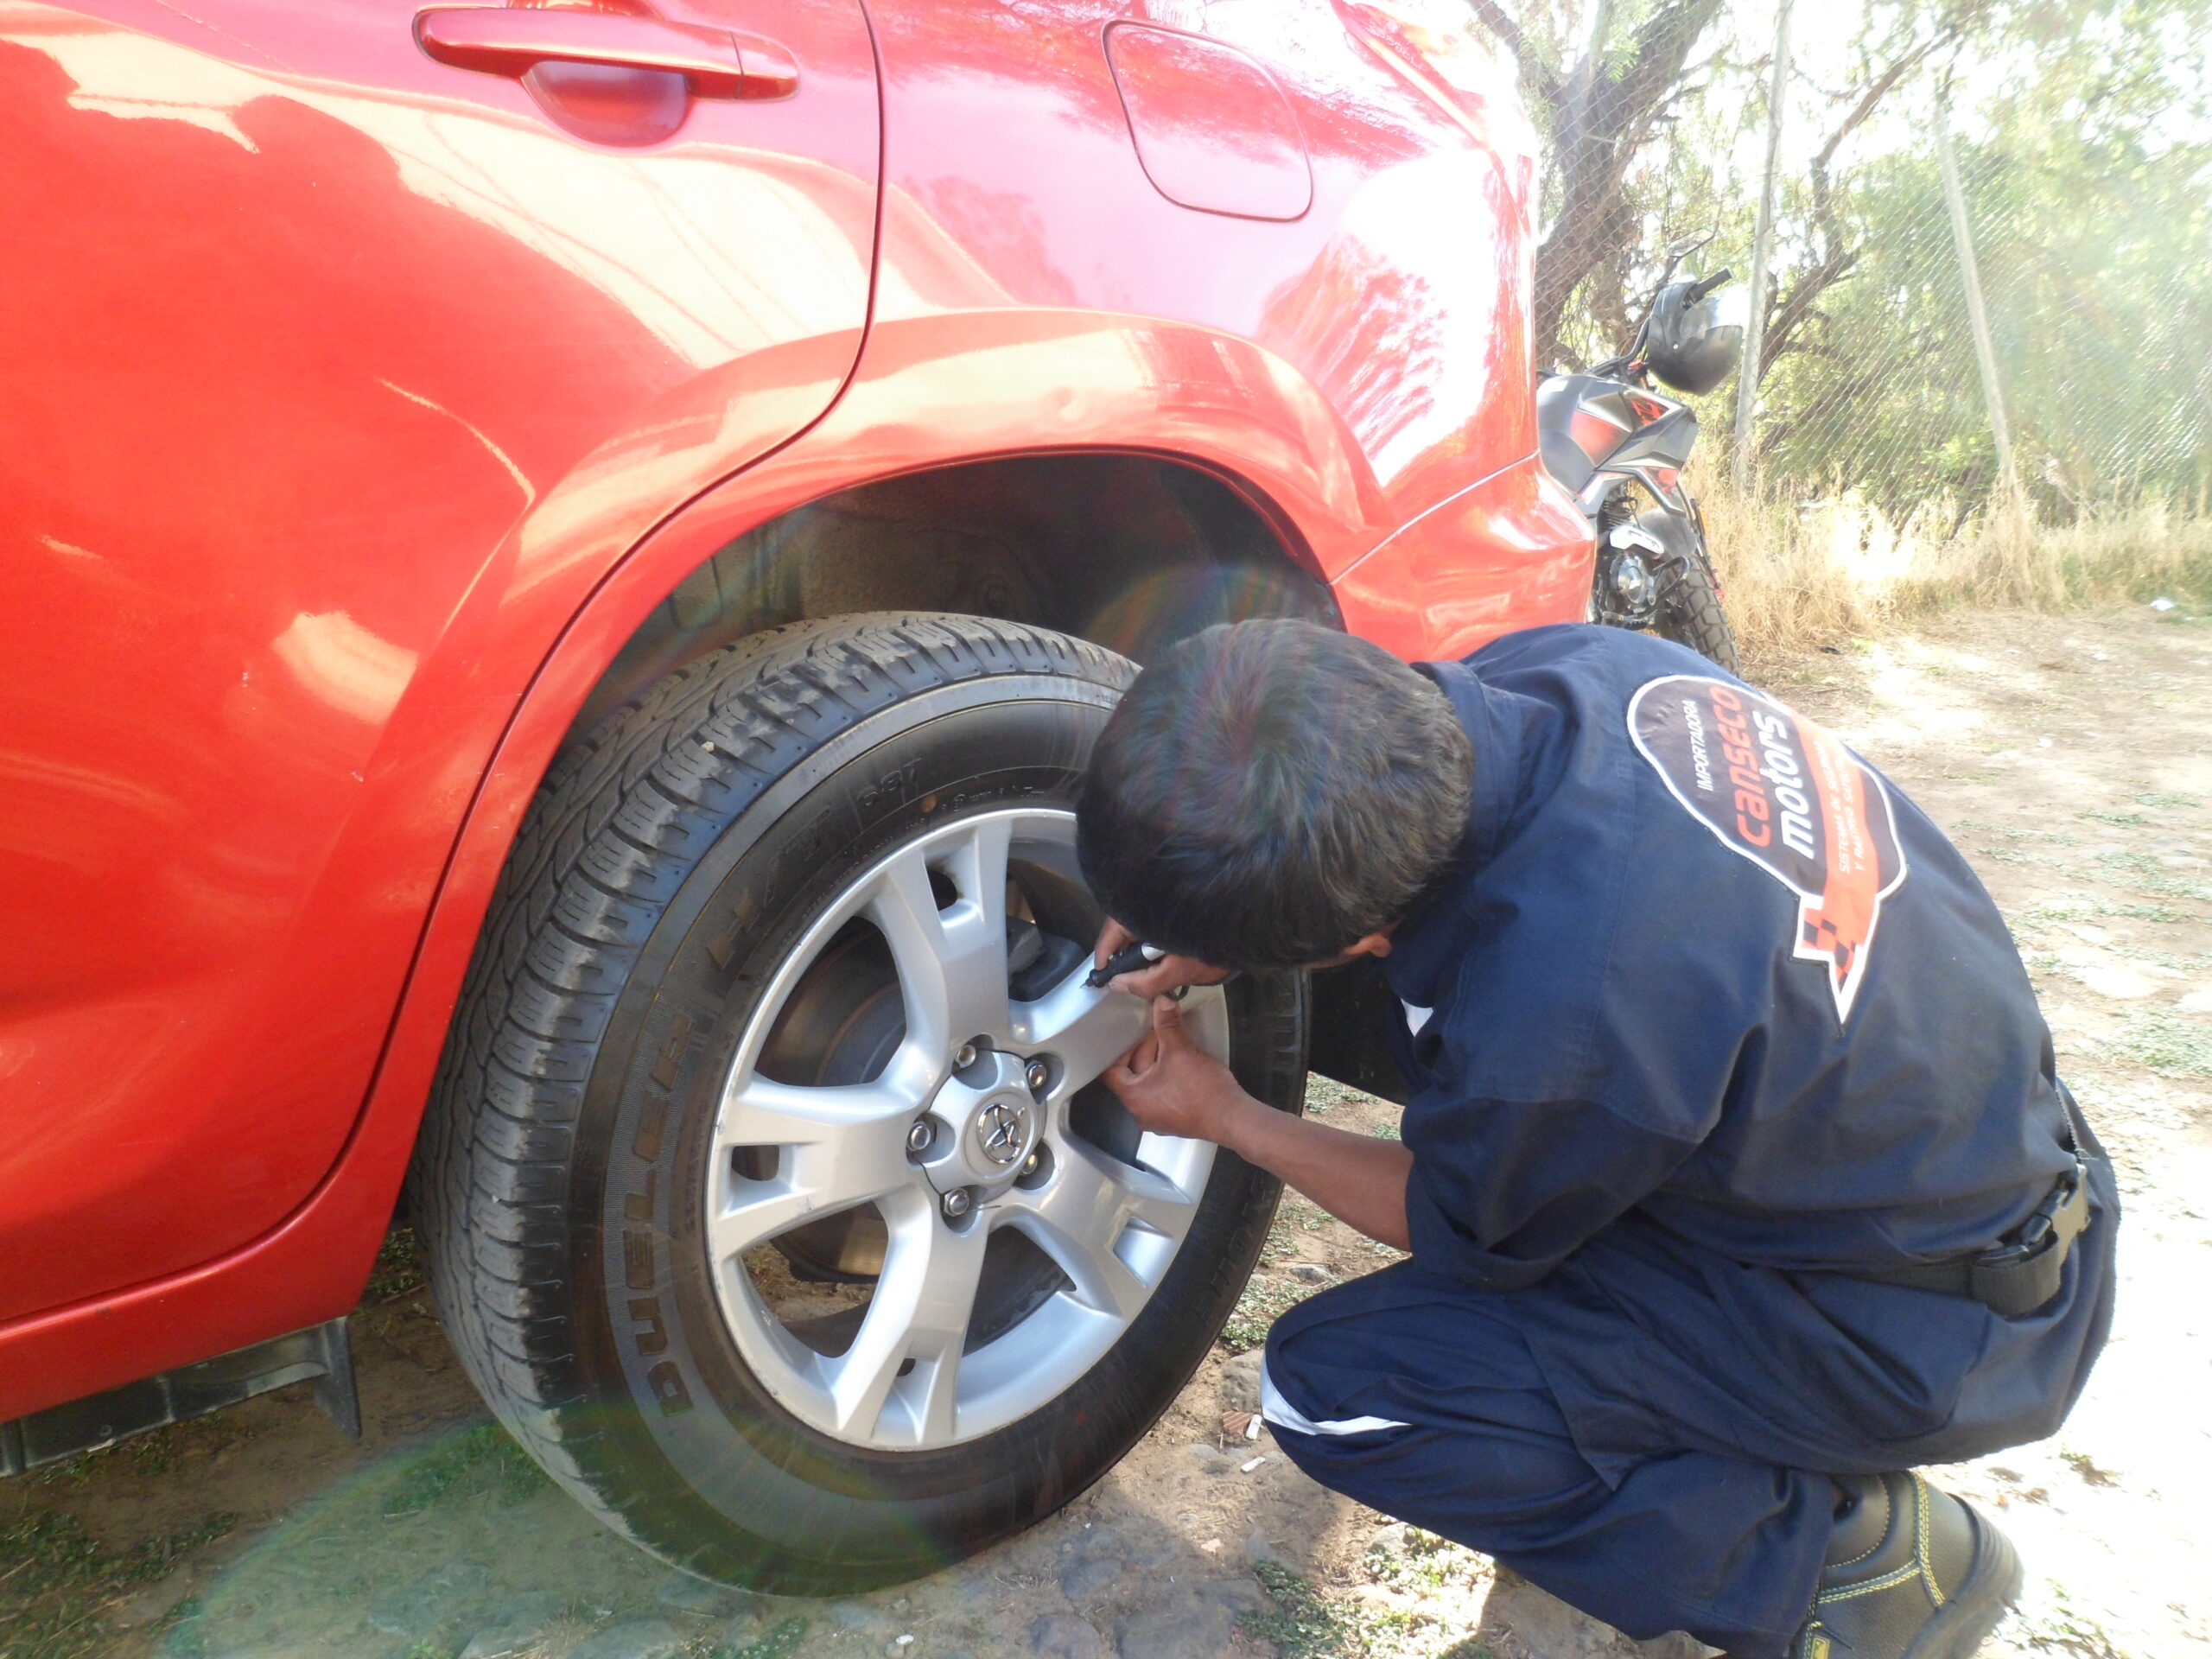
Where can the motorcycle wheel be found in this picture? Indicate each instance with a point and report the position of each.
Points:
(770, 1199)
(1689, 610)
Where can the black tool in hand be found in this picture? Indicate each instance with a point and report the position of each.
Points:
(1128, 960)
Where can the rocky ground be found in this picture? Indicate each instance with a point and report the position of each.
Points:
(2072, 758)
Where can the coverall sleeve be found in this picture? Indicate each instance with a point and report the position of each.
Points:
(1502, 1192)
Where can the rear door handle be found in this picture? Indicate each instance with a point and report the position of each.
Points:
(513, 40)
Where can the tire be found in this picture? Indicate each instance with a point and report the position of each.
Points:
(676, 1036)
(1690, 612)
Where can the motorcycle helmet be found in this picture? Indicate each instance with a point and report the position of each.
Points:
(1695, 338)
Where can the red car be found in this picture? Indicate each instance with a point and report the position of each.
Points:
(562, 563)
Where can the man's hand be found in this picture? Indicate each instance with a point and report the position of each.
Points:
(1170, 973)
(1173, 1087)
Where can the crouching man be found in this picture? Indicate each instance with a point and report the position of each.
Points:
(1735, 1173)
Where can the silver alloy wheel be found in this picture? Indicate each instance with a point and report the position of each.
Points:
(1001, 1154)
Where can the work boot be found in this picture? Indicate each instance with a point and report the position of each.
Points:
(1911, 1573)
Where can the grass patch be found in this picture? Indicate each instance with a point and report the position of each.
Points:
(2163, 797)
(1428, 1564)
(1324, 1095)
(2169, 1044)
(1799, 575)
(1304, 1625)
(2058, 1628)
(1263, 1302)
(58, 1579)
(779, 1643)
(2124, 819)
(481, 1461)
(398, 1269)
(2145, 874)
(1295, 1218)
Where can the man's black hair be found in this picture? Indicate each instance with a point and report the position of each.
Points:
(1270, 792)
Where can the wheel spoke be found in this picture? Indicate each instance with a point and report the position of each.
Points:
(1088, 1029)
(836, 1148)
(952, 962)
(1078, 1216)
(920, 1311)
(761, 1112)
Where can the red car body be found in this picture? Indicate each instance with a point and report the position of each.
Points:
(364, 398)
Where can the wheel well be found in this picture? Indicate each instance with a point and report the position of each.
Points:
(1130, 551)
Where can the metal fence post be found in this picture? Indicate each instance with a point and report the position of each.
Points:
(1747, 376)
(1985, 349)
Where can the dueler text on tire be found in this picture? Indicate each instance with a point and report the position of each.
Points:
(769, 1196)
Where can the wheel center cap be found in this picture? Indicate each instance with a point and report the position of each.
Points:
(1002, 1131)
(995, 1123)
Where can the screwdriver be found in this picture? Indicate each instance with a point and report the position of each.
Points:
(1127, 960)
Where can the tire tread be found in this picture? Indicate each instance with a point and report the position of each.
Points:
(617, 823)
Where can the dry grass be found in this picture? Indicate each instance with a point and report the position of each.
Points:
(1798, 576)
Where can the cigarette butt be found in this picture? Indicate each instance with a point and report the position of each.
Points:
(1250, 1463)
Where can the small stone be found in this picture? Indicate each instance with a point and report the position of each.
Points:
(1308, 1273)
(898, 1646)
(633, 1638)
(1063, 1636)
(2121, 984)
(1187, 1628)
(858, 1619)
(1240, 1382)
(514, 1626)
(690, 1594)
(418, 1611)
(2196, 1001)
(1087, 1575)
(150, 1603)
(1237, 1595)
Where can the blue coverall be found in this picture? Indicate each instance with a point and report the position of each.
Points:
(1679, 1070)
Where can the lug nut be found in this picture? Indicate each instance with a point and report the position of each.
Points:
(918, 1137)
(965, 1057)
(957, 1204)
(1029, 1164)
(1039, 1074)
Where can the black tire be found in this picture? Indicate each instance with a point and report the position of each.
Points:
(582, 1065)
(1690, 612)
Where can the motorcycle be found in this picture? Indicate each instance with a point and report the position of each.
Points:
(1609, 437)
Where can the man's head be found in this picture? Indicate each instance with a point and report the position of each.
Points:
(1269, 793)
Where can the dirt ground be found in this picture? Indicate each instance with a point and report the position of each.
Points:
(2072, 758)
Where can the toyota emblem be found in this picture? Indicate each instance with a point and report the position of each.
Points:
(1002, 1131)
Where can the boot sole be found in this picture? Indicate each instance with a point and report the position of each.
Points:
(1991, 1587)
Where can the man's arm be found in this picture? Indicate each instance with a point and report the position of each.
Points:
(1172, 1087)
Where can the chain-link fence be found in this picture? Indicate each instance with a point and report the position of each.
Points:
(2081, 132)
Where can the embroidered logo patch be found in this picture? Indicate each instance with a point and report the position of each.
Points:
(1787, 795)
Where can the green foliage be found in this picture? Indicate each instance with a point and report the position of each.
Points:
(480, 1461)
(2056, 1627)
(1304, 1624)
(2169, 1044)
(2083, 135)
(2161, 798)
(1264, 1301)
(60, 1579)
(779, 1643)
(398, 1268)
